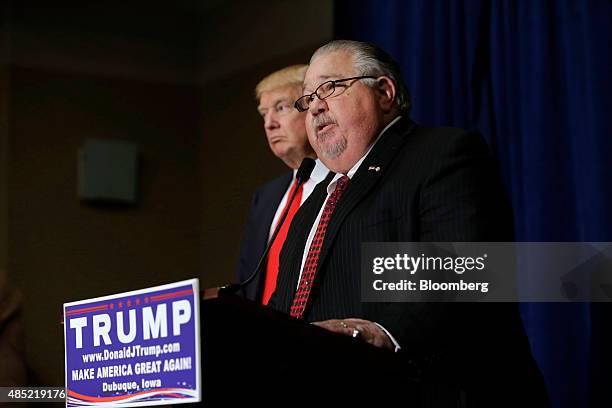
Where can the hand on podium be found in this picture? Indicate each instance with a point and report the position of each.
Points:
(365, 330)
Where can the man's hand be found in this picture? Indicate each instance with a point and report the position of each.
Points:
(369, 332)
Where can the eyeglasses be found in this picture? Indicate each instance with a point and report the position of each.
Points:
(323, 91)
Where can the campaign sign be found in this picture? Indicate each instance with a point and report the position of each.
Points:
(134, 349)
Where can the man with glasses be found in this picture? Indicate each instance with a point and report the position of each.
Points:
(286, 135)
(397, 181)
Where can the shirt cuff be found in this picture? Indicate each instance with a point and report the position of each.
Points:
(395, 343)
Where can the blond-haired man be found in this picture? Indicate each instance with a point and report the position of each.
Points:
(286, 135)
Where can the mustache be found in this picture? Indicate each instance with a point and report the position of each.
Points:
(322, 120)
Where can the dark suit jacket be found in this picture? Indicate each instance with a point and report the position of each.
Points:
(263, 207)
(434, 185)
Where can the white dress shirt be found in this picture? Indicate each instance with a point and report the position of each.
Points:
(318, 174)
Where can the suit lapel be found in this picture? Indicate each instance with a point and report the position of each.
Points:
(366, 177)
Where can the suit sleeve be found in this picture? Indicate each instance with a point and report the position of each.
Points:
(243, 268)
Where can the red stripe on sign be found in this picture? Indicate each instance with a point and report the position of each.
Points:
(171, 295)
(86, 309)
(90, 398)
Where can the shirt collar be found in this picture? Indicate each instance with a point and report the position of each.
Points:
(318, 173)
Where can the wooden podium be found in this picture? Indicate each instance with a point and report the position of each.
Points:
(255, 355)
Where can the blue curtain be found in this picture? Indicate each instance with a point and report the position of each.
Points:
(534, 78)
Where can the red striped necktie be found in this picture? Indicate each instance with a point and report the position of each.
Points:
(310, 266)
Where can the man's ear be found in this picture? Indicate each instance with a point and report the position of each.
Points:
(386, 93)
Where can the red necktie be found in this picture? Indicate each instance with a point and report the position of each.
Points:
(274, 254)
(310, 266)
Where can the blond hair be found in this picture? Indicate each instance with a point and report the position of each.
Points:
(292, 75)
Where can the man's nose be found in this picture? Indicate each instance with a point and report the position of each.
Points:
(317, 106)
(270, 121)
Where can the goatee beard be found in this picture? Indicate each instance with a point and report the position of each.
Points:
(335, 150)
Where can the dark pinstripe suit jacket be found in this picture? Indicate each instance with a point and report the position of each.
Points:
(436, 185)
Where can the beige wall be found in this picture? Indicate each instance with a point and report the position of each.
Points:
(5, 50)
(259, 33)
(113, 38)
(177, 80)
(4, 148)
